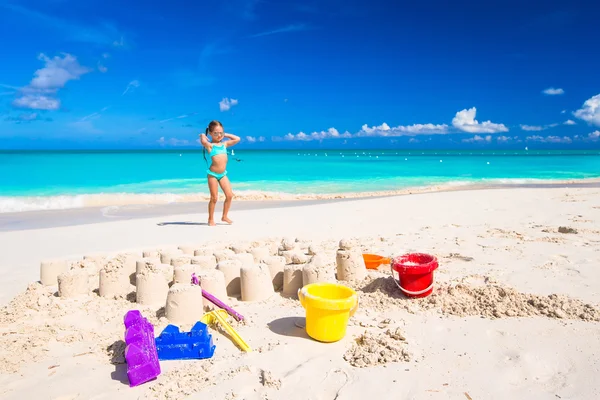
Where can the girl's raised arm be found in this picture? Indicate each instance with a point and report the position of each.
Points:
(233, 140)
(204, 140)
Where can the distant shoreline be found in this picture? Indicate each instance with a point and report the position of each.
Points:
(106, 201)
(42, 219)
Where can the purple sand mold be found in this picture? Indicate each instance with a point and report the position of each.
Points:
(217, 302)
(140, 353)
(195, 344)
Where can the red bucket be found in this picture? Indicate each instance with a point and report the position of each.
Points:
(415, 273)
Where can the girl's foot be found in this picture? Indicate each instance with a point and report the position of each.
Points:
(211, 223)
(225, 219)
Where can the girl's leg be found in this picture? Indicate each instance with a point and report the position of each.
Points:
(226, 186)
(213, 187)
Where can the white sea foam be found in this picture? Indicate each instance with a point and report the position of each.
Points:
(107, 201)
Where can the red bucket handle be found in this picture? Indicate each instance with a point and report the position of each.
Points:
(410, 293)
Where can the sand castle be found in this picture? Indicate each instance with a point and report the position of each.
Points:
(162, 277)
(182, 273)
(204, 262)
(50, 270)
(256, 282)
(151, 286)
(179, 260)
(73, 283)
(114, 280)
(276, 266)
(260, 253)
(184, 303)
(231, 272)
(350, 263)
(143, 262)
(317, 270)
(213, 281)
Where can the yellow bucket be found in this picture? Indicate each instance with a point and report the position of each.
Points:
(328, 307)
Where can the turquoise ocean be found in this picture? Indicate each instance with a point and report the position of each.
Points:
(39, 180)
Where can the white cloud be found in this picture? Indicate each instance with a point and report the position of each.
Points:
(478, 139)
(553, 92)
(409, 130)
(549, 139)
(25, 117)
(57, 72)
(590, 112)
(466, 122)
(119, 43)
(563, 111)
(505, 139)
(569, 122)
(173, 142)
(330, 133)
(594, 135)
(105, 55)
(252, 139)
(532, 128)
(226, 104)
(413, 140)
(37, 102)
(131, 86)
(102, 68)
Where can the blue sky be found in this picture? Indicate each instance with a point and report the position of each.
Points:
(98, 74)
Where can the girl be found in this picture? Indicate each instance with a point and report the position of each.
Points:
(217, 172)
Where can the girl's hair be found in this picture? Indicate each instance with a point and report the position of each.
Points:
(212, 125)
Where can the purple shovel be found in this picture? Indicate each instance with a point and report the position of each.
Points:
(217, 302)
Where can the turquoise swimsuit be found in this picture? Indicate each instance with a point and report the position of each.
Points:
(216, 150)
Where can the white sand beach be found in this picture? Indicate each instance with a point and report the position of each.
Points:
(515, 311)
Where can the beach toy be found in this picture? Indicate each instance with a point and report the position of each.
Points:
(373, 261)
(217, 302)
(328, 307)
(220, 317)
(175, 345)
(415, 273)
(140, 351)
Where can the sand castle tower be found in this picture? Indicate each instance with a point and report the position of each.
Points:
(183, 273)
(114, 279)
(184, 304)
(50, 270)
(212, 281)
(73, 283)
(350, 263)
(317, 270)
(256, 282)
(204, 262)
(231, 272)
(292, 275)
(152, 284)
(288, 249)
(276, 266)
(260, 253)
(223, 254)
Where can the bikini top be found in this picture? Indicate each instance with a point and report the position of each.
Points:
(217, 149)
